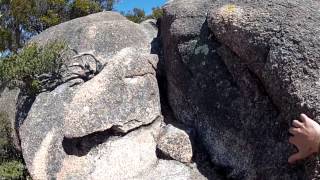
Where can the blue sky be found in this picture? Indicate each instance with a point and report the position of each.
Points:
(146, 5)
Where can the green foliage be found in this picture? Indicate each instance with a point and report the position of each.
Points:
(109, 4)
(136, 15)
(11, 166)
(20, 19)
(32, 62)
(84, 7)
(21, 10)
(5, 132)
(35, 86)
(157, 13)
(5, 38)
(51, 18)
(12, 170)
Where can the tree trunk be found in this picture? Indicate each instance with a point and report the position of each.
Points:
(17, 38)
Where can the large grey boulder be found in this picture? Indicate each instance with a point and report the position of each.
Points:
(86, 42)
(278, 41)
(240, 72)
(92, 32)
(106, 127)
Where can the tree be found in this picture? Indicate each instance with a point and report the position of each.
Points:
(11, 161)
(136, 15)
(84, 7)
(30, 63)
(50, 13)
(109, 4)
(14, 16)
(157, 13)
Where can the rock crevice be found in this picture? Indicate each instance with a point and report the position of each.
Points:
(81, 146)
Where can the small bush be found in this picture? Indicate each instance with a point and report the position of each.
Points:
(30, 63)
(12, 170)
(11, 162)
(5, 135)
(138, 15)
(157, 13)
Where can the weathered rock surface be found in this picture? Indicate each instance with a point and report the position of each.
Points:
(236, 75)
(279, 43)
(92, 33)
(240, 72)
(173, 170)
(8, 101)
(125, 97)
(8, 98)
(86, 40)
(150, 26)
(106, 127)
(175, 143)
(119, 158)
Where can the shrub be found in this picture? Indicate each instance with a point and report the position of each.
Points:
(5, 132)
(157, 13)
(138, 15)
(31, 62)
(12, 170)
(11, 162)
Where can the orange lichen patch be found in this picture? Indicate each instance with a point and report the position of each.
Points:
(231, 8)
(230, 11)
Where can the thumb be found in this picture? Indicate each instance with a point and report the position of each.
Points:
(295, 157)
(304, 117)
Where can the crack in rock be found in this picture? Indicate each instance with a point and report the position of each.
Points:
(81, 146)
(139, 75)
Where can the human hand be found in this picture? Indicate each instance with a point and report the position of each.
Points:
(306, 137)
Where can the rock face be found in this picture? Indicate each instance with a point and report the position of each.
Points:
(8, 100)
(234, 75)
(106, 127)
(175, 144)
(89, 34)
(240, 72)
(150, 26)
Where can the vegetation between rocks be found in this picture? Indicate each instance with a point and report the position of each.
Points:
(138, 15)
(27, 66)
(11, 161)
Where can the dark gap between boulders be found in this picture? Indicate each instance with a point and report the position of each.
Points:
(81, 146)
